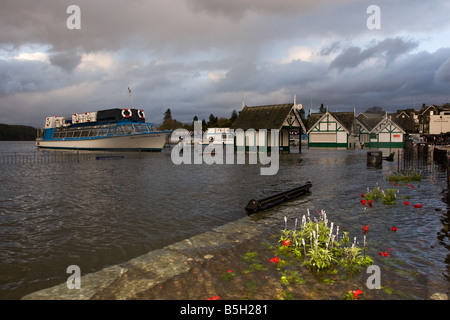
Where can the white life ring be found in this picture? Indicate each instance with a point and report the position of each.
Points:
(126, 113)
(141, 113)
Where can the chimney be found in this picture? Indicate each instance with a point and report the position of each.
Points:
(243, 104)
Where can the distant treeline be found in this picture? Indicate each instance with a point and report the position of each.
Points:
(17, 133)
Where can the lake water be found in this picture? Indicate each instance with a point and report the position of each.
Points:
(103, 212)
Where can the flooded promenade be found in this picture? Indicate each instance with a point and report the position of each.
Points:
(147, 229)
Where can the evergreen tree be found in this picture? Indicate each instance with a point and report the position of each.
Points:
(322, 108)
(167, 114)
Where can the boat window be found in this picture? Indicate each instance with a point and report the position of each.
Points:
(103, 131)
(69, 134)
(93, 132)
(77, 134)
(124, 129)
(84, 133)
(140, 127)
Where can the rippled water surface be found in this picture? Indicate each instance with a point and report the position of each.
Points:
(103, 212)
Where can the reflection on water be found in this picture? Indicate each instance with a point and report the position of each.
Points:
(98, 213)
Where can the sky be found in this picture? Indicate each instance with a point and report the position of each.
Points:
(202, 57)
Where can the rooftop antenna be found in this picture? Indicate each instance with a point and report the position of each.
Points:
(129, 93)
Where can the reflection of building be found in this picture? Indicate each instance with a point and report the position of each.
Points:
(284, 117)
(331, 130)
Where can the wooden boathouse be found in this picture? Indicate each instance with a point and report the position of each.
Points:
(283, 117)
(331, 130)
(379, 131)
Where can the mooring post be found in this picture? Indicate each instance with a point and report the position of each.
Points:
(448, 175)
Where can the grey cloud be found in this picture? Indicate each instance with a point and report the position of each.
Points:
(66, 60)
(239, 39)
(236, 9)
(443, 73)
(25, 76)
(333, 47)
(388, 49)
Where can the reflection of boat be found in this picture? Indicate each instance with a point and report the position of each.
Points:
(218, 136)
(111, 129)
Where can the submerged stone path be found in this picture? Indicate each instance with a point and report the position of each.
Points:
(194, 269)
(146, 276)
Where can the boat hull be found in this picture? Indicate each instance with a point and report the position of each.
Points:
(153, 141)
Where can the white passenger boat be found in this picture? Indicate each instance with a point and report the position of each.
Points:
(218, 136)
(111, 129)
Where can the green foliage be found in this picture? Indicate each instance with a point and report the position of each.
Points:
(291, 277)
(375, 194)
(253, 262)
(320, 247)
(352, 260)
(388, 196)
(405, 177)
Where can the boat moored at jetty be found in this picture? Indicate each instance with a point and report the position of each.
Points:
(110, 129)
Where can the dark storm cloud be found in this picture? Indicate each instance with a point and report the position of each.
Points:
(388, 49)
(66, 60)
(28, 76)
(443, 72)
(203, 56)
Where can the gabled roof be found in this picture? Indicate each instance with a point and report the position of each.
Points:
(385, 122)
(424, 109)
(373, 121)
(346, 119)
(370, 120)
(265, 117)
(404, 119)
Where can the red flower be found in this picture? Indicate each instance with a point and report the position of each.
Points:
(370, 203)
(384, 254)
(363, 202)
(365, 228)
(394, 229)
(417, 205)
(406, 203)
(356, 293)
(412, 186)
(363, 195)
(214, 298)
(229, 271)
(275, 259)
(286, 243)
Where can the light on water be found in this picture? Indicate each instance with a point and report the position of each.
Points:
(104, 212)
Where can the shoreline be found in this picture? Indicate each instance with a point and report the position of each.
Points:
(132, 279)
